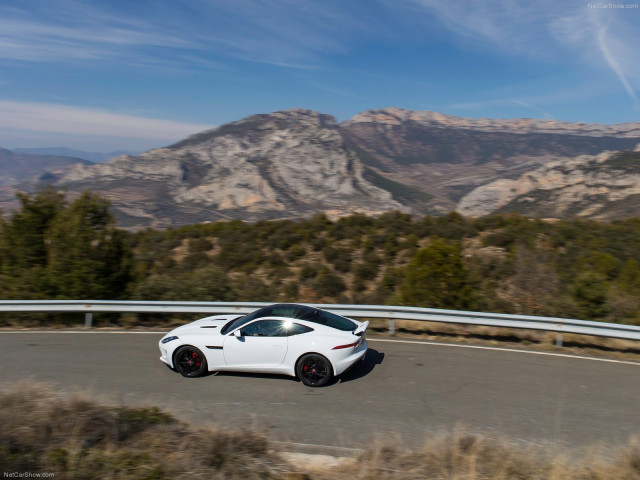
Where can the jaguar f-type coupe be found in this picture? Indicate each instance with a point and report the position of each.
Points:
(302, 341)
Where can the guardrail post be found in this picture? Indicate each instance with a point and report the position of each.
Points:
(392, 326)
(88, 319)
(558, 339)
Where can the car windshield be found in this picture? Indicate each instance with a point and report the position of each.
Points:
(235, 323)
(302, 312)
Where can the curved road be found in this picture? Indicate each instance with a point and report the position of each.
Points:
(408, 389)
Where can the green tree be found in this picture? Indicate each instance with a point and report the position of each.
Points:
(629, 277)
(328, 284)
(589, 290)
(87, 256)
(436, 277)
(24, 245)
(52, 249)
(623, 302)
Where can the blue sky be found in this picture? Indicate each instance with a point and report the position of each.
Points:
(107, 75)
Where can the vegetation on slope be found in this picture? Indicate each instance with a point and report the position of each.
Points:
(53, 248)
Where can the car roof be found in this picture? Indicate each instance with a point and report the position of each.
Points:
(305, 313)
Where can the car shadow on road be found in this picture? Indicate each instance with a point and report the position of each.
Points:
(364, 367)
(359, 370)
(272, 376)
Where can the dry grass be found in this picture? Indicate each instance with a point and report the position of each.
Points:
(463, 456)
(78, 438)
(75, 437)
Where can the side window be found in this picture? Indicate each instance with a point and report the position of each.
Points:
(263, 328)
(297, 329)
(274, 328)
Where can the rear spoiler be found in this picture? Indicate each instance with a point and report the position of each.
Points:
(361, 329)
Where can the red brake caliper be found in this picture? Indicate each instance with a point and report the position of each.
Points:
(195, 355)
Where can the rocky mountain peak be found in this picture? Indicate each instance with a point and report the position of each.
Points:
(298, 162)
(301, 115)
(258, 125)
(283, 164)
(426, 118)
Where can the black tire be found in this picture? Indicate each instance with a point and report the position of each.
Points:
(189, 361)
(314, 370)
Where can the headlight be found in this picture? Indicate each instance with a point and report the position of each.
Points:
(168, 339)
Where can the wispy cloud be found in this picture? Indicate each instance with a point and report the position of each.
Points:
(286, 33)
(64, 119)
(513, 26)
(551, 31)
(73, 34)
(615, 66)
(604, 37)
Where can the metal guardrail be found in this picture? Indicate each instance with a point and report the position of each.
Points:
(391, 313)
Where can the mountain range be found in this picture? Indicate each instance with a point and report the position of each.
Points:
(22, 171)
(95, 157)
(294, 163)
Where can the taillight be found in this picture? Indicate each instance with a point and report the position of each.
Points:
(349, 345)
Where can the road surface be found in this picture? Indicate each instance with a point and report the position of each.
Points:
(404, 389)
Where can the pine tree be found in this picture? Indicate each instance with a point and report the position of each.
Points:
(52, 249)
(436, 277)
(24, 244)
(87, 256)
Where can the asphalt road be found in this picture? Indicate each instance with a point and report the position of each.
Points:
(408, 390)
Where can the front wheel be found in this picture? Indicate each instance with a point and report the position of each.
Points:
(190, 362)
(314, 370)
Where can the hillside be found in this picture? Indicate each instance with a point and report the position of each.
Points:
(448, 156)
(94, 157)
(56, 248)
(296, 163)
(286, 164)
(604, 186)
(22, 171)
(499, 263)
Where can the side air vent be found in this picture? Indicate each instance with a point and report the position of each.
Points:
(210, 326)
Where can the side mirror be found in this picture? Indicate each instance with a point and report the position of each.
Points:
(238, 333)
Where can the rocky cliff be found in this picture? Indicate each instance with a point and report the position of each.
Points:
(425, 118)
(449, 156)
(604, 186)
(296, 163)
(21, 171)
(285, 164)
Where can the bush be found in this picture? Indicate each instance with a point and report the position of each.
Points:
(437, 278)
(328, 284)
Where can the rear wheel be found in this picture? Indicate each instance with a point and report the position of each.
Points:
(190, 362)
(314, 370)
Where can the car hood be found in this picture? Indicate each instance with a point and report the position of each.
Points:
(208, 325)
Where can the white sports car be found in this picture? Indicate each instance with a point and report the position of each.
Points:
(290, 339)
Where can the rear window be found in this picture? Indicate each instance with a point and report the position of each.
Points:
(329, 319)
